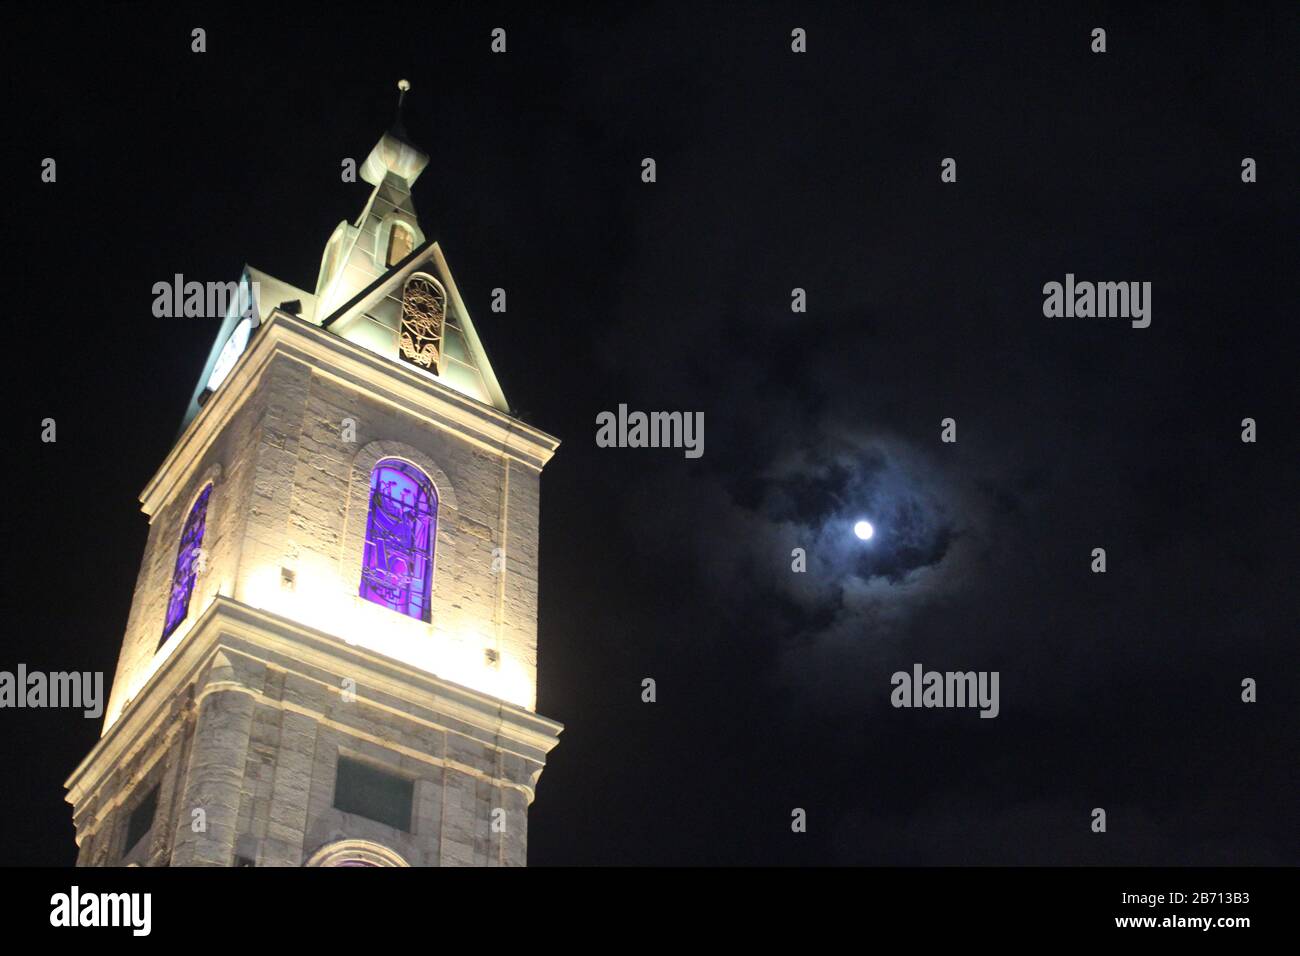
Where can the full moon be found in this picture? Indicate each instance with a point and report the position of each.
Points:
(864, 530)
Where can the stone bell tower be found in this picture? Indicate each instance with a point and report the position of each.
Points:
(331, 654)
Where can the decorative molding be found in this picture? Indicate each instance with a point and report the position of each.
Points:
(417, 695)
(355, 853)
(385, 380)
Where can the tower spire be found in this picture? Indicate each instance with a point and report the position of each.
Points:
(403, 87)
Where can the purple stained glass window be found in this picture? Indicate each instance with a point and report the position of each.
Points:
(188, 558)
(397, 567)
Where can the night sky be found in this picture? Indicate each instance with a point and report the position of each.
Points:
(776, 171)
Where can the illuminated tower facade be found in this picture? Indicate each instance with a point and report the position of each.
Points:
(331, 653)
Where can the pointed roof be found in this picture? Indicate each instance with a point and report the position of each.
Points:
(364, 270)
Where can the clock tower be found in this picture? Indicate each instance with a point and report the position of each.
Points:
(331, 653)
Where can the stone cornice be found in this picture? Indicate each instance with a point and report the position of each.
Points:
(231, 631)
(352, 365)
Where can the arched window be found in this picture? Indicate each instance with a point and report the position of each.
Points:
(355, 853)
(424, 307)
(188, 559)
(400, 243)
(330, 262)
(397, 567)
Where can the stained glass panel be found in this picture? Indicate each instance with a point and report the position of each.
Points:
(188, 558)
(397, 567)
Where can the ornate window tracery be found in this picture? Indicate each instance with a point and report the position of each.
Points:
(424, 309)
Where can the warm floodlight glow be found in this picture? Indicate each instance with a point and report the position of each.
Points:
(864, 530)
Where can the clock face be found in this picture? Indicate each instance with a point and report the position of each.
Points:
(230, 353)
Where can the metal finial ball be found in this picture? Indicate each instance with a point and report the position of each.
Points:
(403, 85)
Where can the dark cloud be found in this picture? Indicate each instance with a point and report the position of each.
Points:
(924, 305)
